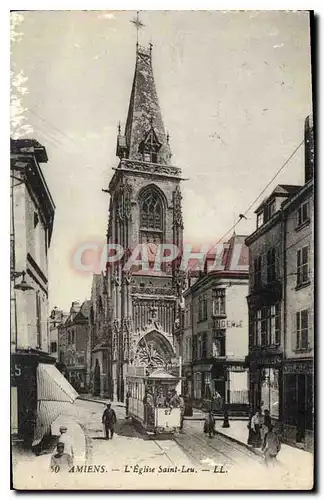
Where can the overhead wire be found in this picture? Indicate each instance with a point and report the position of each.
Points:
(263, 190)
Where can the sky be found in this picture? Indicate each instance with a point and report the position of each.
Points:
(234, 89)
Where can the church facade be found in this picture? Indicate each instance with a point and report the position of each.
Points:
(145, 212)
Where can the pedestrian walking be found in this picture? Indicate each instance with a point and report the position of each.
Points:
(271, 447)
(254, 431)
(66, 440)
(109, 421)
(209, 425)
(61, 461)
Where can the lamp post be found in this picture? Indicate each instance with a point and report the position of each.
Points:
(226, 421)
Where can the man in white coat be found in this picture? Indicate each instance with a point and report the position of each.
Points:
(65, 438)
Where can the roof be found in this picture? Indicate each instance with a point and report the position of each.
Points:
(161, 373)
(144, 113)
(228, 259)
(29, 146)
(284, 190)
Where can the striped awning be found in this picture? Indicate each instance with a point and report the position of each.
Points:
(54, 395)
(53, 386)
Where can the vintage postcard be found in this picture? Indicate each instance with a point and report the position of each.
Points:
(162, 250)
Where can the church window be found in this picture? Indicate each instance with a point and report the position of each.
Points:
(151, 212)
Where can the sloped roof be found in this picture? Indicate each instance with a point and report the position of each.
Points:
(280, 190)
(144, 113)
(84, 311)
(161, 373)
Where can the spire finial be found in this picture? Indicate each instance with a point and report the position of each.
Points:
(138, 24)
(119, 128)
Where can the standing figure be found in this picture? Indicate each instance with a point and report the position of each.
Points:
(271, 446)
(209, 425)
(65, 439)
(109, 421)
(61, 461)
(128, 395)
(266, 423)
(174, 400)
(255, 433)
(168, 399)
(160, 400)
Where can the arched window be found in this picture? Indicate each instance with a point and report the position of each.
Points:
(151, 211)
(151, 219)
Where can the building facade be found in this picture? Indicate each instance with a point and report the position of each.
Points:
(33, 374)
(281, 307)
(298, 365)
(100, 345)
(73, 335)
(145, 209)
(56, 318)
(216, 331)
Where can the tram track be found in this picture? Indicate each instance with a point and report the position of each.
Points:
(199, 449)
(145, 436)
(217, 452)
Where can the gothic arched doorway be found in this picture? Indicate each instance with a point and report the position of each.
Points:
(153, 350)
(96, 379)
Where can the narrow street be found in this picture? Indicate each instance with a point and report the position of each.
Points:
(133, 460)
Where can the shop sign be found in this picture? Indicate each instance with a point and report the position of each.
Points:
(301, 368)
(236, 368)
(269, 361)
(16, 372)
(225, 323)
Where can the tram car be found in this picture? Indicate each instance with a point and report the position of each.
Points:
(150, 402)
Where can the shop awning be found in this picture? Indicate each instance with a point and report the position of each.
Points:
(53, 386)
(54, 395)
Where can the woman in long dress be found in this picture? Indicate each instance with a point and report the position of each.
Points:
(255, 431)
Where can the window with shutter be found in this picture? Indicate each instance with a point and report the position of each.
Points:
(302, 266)
(302, 329)
(302, 215)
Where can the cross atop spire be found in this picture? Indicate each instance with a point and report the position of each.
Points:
(138, 24)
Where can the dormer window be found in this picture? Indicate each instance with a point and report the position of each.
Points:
(150, 147)
(259, 219)
(269, 210)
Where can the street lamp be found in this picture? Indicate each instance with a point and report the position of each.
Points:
(23, 286)
(226, 402)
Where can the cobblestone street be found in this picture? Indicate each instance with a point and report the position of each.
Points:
(133, 460)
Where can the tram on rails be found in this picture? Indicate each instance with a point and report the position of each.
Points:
(153, 401)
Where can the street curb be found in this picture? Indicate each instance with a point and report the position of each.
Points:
(235, 440)
(102, 401)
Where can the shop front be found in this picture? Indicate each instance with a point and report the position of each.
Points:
(39, 393)
(265, 374)
(209, 386)
(298, 418)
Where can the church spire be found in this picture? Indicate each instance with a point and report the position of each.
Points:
(144, 138)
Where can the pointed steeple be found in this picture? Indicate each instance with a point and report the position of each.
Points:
(145, 138)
